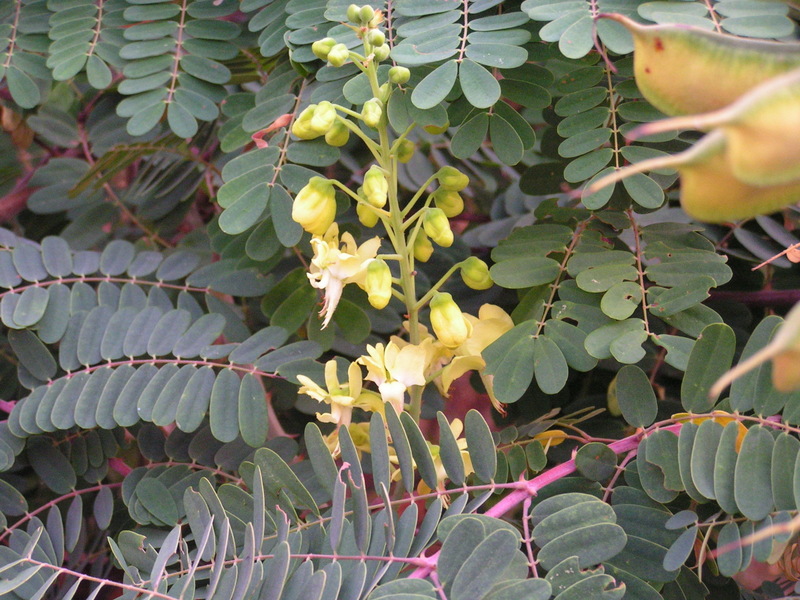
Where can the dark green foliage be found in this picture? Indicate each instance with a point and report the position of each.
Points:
(156, 314)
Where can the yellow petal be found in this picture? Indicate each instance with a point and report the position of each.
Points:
(457, 367)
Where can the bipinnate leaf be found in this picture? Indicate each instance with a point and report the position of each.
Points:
(752, 479)
(278, 476)
(420, 451)
(480, 445)
(402, 449)
(510, 360)
(168, 548)
(449, 451)
(103, 507)
(719, 342)
(725, 468)
(570, 581)
(680, 550)
(435, 86)
(379, 455)
(404, 589)
(532, 589)
(457, 547)
(320, 457)
(200, 520)
(596, 461)
(253, 417)
(484, 566)
(729, 560)
(592, 544)
(51, 466)
(635, 396)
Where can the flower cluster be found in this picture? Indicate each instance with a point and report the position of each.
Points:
(390, 375)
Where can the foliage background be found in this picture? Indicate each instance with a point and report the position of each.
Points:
(156, 312)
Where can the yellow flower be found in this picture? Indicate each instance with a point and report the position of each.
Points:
(452, 179)
(394, 369)
(314, 206)
(475, 274)
(423, 248)
(359, 433)
(341, 396)
(437, 226)
(367, 215)
(448, 321)
(491, 323)
(334, 266)
(449, 201)
(378, 283)
(376, 187)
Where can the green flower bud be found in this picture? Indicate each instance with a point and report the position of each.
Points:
(452, 179)
(378, 283)
(475, 273)
(422, 247)
(405, 150)
(367, 216)
(315, 206)
(399, 75)
(302, 127)
(338, 55)
(338, 135)
(372, 113)
(449, 324)
(323, 118)
(381, 52)
(376, 37)
(353, 13)
(437, 226)
(376, 187)
(449, 201)
(322, 47)
(384, 92)
(366, 13)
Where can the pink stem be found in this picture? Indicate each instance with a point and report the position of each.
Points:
(531, 488)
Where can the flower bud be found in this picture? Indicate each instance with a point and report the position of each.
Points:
(302, 124)
(452, 179)
(384, 92)
(376, 187)
(372, 113)
(323, 118)
(366, 13)
(405, 150)
(338, 135)
(315, 206)
(376, 37)
(367, 216)
(353, 13)
(378, 283)
(437, 226)
(399, 75)
(475, 273)
(381, 52)
(449, 201)
(449, 324)
(338, 55)
(422, 247)
(322, 47)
